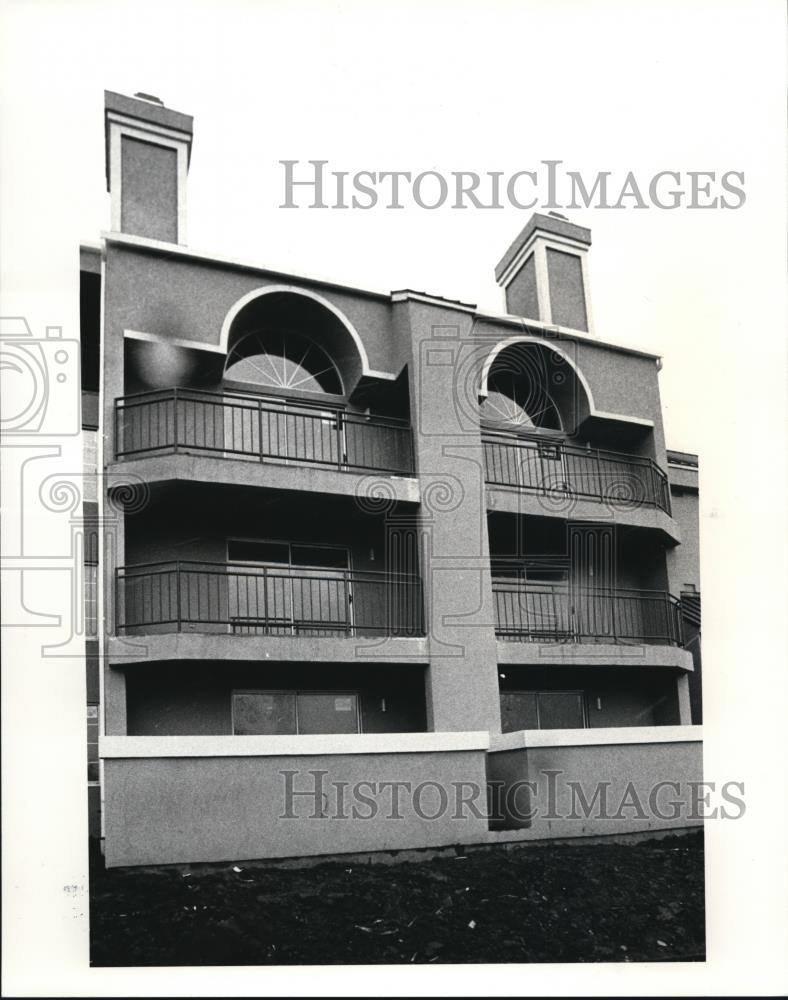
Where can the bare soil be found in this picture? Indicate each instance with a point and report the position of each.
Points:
(553, 903)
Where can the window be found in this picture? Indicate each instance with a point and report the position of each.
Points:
(542, 710)
(284, 361)
(287, 554)
(90, 593)
(93, 759)
(90, 465)
(271, 713)
(517, 393)
(516, 568)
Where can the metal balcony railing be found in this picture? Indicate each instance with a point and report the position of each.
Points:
(267, 600)
(553, 467)
(563, 612)
(232, 425)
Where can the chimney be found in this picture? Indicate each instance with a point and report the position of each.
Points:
(544, 273)
(147, 158)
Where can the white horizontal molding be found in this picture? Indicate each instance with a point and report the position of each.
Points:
(433, 300)
(120, 747)
(527, 739)
(146, 130)
(622, 418)
(155, 338)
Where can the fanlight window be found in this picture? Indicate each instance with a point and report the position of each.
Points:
(283, 361)
(519, 399)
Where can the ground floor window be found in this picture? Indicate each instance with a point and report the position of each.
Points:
(270, 713)
(542, 710)
(93, 758)
(90, 593)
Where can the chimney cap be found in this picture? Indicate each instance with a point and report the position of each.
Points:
(149, 97)
(147, 109)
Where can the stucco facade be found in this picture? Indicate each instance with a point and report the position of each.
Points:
(387, 525)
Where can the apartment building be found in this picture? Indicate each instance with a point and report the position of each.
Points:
(350, 538)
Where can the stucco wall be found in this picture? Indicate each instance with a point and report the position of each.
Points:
(149, 196)
(684, 560)
(162, 810)
(632, 767)
(521, 295)
(567, 294)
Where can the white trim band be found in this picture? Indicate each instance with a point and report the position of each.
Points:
(527, 739)
(289, 746)
(192, 345)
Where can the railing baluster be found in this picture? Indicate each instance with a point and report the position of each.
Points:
(265, 598)
(346, 579)
(178, 592)
(260, 448)
(175, 419)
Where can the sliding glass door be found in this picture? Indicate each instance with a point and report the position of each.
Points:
(289, 588)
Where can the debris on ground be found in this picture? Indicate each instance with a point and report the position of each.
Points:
(538, 903)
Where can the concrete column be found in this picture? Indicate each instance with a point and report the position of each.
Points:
(682, 690)
(115, 721)
(462, 678)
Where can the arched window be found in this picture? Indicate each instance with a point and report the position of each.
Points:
(517, 393)
(282, 360)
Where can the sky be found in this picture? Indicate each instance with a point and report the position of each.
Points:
(499, 86)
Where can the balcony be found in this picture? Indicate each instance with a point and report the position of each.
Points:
(566, 613)
(552, 468)
(260, 429)
(263, 600)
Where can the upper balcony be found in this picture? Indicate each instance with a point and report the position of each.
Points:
(301, 445)
(549, 477)
(553, 468)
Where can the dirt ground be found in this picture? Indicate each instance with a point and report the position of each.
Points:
(555, 903)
